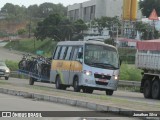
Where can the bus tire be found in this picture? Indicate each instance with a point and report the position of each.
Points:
(58, 83)
(109, 92)
(156, 89)
(6, 78)
(147, 90)
(64, 87)
(31, 81)
(76, 84)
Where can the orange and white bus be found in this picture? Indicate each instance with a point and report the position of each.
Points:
(86, 65)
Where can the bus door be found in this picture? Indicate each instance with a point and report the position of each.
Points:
(65, 71)
(76, 63)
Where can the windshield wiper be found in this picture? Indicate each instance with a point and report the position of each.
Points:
(90, 63)
(106, 64)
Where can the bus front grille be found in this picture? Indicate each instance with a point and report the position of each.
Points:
(100, 76)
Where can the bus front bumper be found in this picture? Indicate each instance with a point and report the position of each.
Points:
(100, 85)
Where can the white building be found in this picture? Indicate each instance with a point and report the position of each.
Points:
(92, 9)
(95, 9)
(156, 22)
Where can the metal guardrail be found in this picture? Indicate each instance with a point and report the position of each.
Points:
(130, 83)
(121, 82)
(14, 72)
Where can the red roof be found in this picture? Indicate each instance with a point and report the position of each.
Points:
(127, 40)
(149, 45)
(153, 15)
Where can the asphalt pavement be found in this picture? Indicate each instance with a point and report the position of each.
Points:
(125, 95)
(15, 105)
(6, 54)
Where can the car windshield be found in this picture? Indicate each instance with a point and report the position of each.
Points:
(2, 64)
(101, 56)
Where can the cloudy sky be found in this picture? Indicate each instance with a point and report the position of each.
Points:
(31, 2)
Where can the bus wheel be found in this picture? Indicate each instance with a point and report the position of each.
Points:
(147, 90)
(31, 81)
(6, 78)
(75, 85)
(156, 89)
(64, 87)
(58, 85)
(109, 92)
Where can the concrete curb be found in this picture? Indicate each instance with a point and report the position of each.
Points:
(84, 104)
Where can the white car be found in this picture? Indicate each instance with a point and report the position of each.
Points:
(4, 70)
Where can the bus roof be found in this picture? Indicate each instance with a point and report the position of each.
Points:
(75, 43)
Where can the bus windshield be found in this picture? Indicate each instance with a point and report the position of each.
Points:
(101, 56)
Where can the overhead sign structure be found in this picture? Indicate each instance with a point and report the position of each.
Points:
(153, 15)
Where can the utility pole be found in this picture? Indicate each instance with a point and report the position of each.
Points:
(117, 37)
(29, 28)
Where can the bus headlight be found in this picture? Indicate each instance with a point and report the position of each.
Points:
(116, 77)
(7, 71)
(88, 73)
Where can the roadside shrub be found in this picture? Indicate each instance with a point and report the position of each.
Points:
(130, 72)
(13, 66)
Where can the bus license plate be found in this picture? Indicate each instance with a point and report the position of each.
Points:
(102, 80)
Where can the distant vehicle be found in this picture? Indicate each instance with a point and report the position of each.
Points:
(4, 70)
(148, 59)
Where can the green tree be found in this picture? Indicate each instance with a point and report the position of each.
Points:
(66, 29)
(47, 9)
(55, 27)
(33, 11)
(148, 5)
(21, 31)
(146, 30)
(8, 8)
(14, 11)
(80, 26)
(49, 27)
(107, 22)
(60, 9)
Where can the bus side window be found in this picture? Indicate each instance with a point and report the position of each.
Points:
(80, 55)
(54, 53)
(62, 54)
(68, 55)
(65, 53)
(75, 52)
(57, 51)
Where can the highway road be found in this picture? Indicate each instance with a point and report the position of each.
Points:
(13, 103)
(119, 94)
(6, 54)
